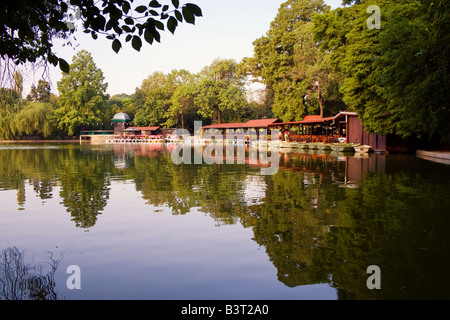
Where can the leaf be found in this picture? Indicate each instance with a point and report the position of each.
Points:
(136, 43)
(141, 9)
(159, 25)
(195, 9)
(154, 4)
(156, 35)
(129, 21)
(172, 24)
(148, 36)
(188, 15)
(126, 7)
(176, 3)
(127, 29)
(63, 65)
(178, 15)
(116, 45)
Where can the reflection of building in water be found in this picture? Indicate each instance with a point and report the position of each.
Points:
(124, 153)
(255, 190)
(122, 157)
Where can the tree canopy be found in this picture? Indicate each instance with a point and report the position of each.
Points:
(28, 27)
(396, 77)
(82, 95)
(290, 64)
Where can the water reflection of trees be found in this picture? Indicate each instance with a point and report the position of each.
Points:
(321, 218)
(82, 176)
(396, 219)
(20, 280)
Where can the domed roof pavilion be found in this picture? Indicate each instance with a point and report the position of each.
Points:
(121, 117)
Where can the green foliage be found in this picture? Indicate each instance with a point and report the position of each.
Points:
(182, 113)
(180, 98)
(28, 36)
(396, 77)
(287, 60)
(156, 96)
(19, 118)
(32, 120)
(82, 96)
(221, 89)
(40, 93)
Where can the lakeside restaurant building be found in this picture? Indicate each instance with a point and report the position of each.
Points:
(343, 127)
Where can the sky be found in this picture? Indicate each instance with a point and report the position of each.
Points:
(226, 30)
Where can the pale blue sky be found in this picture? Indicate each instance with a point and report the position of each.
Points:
(226, 30)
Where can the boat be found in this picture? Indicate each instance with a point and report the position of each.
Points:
(361, 155)
(362, 148)
(344, 147)
(285, 144)
(303, 145)
(324, 146)
(313, 145)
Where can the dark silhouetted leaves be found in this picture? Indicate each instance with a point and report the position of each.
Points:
(116, 45)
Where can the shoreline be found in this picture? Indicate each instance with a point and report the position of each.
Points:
(41, 141)
(435, 156)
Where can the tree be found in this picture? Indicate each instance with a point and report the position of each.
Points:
(40, 93)
(82, 95)
(28, 36)
(155, 100)
(220, 89)
(183, 105)
(33, 119)
(313, 68)
(396, 77)
(18, 82)
(289, 63)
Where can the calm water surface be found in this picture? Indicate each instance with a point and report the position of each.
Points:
(140, 227)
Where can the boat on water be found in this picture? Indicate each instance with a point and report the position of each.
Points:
(313, 145)
(344, 147)
(362, 148)
(324, 146)
(303, 145)
(285, 144)
(361, 155)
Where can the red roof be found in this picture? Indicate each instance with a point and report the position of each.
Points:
(224, 126)
(261, 123)
(315, 119)
(307, 120)
(264, 123)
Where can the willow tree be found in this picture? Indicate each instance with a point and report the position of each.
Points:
(82, 96)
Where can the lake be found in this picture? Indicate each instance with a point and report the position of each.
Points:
(134, 225)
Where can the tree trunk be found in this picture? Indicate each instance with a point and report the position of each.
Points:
(219, 115)
(320, 99)
(182, 120)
